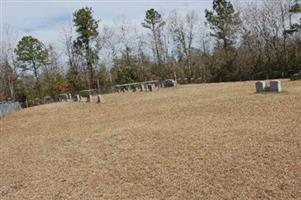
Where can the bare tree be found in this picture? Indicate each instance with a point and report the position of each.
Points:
(183, 30)
(68, 44)
(8, 64)
(265, 27)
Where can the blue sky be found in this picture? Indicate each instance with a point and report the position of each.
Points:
(45, 19)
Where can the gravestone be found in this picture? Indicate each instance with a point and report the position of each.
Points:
(260, 86)
(142, 88)
(100, 99)
(90, 98)
(275, 86)
(63, 97)
(151, 87)
(77, 98)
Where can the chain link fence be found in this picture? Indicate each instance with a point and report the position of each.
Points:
(9, 107)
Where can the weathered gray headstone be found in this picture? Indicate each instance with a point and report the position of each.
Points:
(47, 99)
(260, 86)
(66, 97)
(275, 86)
(151, 87)
(63, 97)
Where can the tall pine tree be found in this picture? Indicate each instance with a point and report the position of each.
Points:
(154, 22)
(223, 22)
(32, 54)
(86, 44)
(294, 10)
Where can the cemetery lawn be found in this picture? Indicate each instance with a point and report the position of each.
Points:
(207, 141)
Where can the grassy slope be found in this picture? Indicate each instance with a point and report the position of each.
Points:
(215, 141)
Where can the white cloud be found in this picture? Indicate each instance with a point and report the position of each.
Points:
(44, 19)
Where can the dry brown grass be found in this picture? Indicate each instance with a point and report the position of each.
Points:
(210, 141)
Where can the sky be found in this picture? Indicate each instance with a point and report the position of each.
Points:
(45, 19)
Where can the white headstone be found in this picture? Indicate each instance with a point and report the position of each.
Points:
(150, 87)
(142, 88)
(260, 86)
(89, 99)
(100, 99)
(275, 86)
(77, 98)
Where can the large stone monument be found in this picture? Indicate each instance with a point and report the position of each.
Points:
(260, 86)
(275, 86)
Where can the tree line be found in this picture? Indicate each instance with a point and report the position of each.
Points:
(247, 41)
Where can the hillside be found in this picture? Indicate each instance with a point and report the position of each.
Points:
(208, 141)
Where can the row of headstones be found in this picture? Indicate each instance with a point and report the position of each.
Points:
(261, 86)
(141, 88)
(65, 97)
(99, 98)
(78, 98)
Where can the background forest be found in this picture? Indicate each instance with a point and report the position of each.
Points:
(238, 42)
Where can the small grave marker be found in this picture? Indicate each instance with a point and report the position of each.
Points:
(260, 86)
